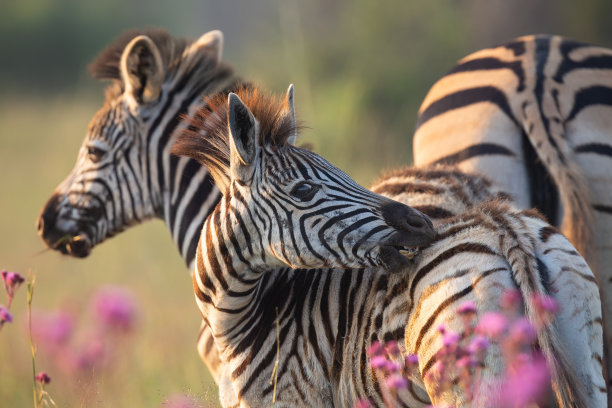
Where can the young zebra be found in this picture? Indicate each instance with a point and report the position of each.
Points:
(285, 208)
(124, 172)
(534, 115)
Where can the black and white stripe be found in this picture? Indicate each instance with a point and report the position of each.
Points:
(534, 115)
(327, 318)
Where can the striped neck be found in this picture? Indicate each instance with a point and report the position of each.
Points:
(181, 190)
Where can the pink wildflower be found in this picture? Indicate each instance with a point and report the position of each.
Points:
(465, 361)
(492, 324)
(396, 382)
(545, 304)
(376, 349)
(12, 280)
(53, 328)
(92, 355)
(510, 299)
(5, 315)
(450, 339)
(393, 366)
(478, 344)
(43, 378)
(412, 360)
(468, 307)
(363, 403)
(116, 307)
(392, 348)
(526, 385)
(522, 332)
(378, 362)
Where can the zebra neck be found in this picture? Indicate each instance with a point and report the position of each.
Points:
(224, 281)
(182, 191)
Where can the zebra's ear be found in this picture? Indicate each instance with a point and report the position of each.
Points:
(243, 133)
(142, 70)
(211, 42)
(291, 109)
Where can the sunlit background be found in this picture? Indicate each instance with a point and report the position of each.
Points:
(360, 68)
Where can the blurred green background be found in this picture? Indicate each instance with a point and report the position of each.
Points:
(361, 69)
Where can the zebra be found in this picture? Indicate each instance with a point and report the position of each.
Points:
(286, 213)
(534, 116)
(124, 172)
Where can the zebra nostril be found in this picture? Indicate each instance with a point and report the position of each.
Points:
(40, 224)
(416, 222)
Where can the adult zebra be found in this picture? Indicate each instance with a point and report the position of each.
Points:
(285, 208)
(124, 172)
(534, 115)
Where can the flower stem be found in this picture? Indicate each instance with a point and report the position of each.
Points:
(31, 282)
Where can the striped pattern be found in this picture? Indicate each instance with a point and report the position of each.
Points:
(124, 172)
(535, 116)
(323, 320)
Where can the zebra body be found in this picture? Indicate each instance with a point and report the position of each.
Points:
(124, 172)
(535, 116)
(323, 320)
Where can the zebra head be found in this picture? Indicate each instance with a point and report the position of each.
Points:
(118, 179)
(285, 205)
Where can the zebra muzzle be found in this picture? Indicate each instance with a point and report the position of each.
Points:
(78, 246)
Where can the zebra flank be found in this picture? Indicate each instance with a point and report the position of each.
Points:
(124, 173)
(285, 214)
(534, 115)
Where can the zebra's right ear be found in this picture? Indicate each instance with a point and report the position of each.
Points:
(142, 70)
(212, 43)
(243, 134)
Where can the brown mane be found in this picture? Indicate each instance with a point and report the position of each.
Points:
(206, 138)
(106, 64)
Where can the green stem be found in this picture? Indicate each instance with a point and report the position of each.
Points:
(31, 282)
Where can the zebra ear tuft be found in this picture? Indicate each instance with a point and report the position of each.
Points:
(211, 42)
(142, 70)
(291, 109)
(243, 134)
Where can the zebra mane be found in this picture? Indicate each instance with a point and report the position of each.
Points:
(206, 138)
(172, 50)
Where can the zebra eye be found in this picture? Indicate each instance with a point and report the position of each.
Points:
(95, 154)
(304, 191)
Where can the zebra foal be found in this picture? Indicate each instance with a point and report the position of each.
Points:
(286, 210)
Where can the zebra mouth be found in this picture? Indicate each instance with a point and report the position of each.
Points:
(78, 246)
(408, 252)
(395, 258)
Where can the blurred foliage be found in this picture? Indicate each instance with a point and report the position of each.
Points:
(361, 69)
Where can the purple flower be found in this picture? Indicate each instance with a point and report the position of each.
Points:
(465, 361)
(42, 378)
(5, 315)
(91, 355)
(392, 348)
(545, 304)
(522, 332)
(412, 360)
(510, 299)
(478, 344)
(376, 349)
(363, 403)
(393, 366)
(468, 307)
(116, 307)
(396, 382)
(450, 339)
(378, 362)
(12, 280)
(526, 385)
(53, 328)
(492, 324)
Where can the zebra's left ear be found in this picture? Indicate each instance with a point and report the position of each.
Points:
(212, 43)
(243, 134)
(142, 70)
(291, 109)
